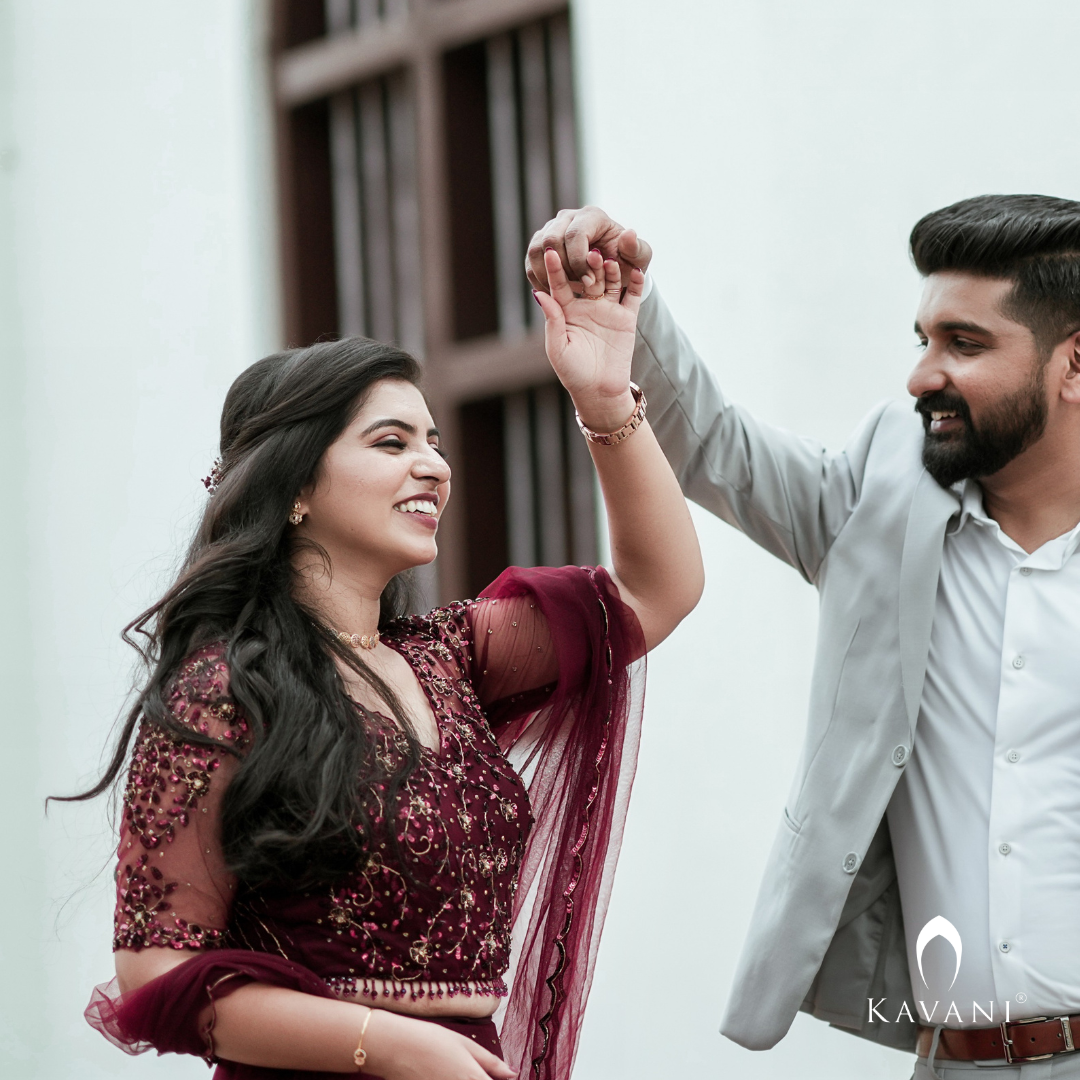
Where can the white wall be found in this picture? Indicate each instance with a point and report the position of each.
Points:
(776, 154)
(136, 280)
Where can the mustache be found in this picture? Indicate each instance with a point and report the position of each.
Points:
(942, 401)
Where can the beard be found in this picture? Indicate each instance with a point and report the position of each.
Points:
(1006, 430)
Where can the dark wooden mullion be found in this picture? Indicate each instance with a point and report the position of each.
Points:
(505, 184)
(535, 142)
(581, 492)
(551, 475)
(519, 479)
(339, 16)
(432, 172)
(405, 210)
(469, 193)
(348, 222)
(563, 125)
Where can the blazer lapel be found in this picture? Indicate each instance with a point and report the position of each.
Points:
(920, 565)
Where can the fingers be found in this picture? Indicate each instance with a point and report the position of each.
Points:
(552, 236)
(579, 240)
(632, 300)
(558, 286)
(612, 280)
(589, 228)
(571, 234)
(492, 1065)
(554, 325)
(593, 278)
(634, 250)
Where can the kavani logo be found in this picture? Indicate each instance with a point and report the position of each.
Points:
(930, 1012)
(939, 926)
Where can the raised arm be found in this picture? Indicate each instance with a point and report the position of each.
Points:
(590, 342)
(787, 493)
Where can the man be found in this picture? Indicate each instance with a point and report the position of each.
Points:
(938, 793)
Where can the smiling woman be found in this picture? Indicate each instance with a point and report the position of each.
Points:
(326, 858)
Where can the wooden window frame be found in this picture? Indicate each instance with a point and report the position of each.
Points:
(413, 40)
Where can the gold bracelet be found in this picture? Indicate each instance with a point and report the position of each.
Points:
(360, 1055)
(613, 438)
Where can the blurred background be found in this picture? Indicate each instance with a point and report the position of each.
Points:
(186, 186)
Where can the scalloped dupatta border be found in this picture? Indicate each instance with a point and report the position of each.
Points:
(579, 764)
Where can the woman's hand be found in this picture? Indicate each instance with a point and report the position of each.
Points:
(590, 344)
(403, 1048)
(589, 337)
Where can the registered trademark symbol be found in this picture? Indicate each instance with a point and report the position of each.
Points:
(1021, 997)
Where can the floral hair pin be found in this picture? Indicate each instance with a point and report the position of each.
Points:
(211, 482)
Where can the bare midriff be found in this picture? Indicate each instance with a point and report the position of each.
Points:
(436, 999)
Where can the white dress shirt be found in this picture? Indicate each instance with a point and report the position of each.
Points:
(985, 822)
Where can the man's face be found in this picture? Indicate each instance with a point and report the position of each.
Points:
(980, 384)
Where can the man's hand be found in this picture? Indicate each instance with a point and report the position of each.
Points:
(571, 235)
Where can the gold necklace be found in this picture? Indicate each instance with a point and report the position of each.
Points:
(357, 641)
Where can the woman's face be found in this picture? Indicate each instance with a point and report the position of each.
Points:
(381, 486)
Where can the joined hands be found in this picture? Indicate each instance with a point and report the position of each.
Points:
(589, 336)
(572, 234)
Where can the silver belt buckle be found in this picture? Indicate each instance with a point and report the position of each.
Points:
(1066, 1033)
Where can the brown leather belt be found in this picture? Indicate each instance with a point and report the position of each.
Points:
(1019, 1040)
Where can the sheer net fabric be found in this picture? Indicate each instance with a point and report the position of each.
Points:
(539, 672)
(514, 651)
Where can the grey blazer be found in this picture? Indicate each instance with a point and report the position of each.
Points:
(866, 527)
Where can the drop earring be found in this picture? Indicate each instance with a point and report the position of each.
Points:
(297, 514)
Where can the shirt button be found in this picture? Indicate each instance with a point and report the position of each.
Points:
(851, 860)
(1025, 570)
(1004, 946)
(899, 755)
(1014, 755)
(1004, 849)
(1018, 662)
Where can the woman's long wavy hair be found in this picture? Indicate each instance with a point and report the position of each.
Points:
(296, 810)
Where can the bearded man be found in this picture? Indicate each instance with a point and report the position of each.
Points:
(938, 795)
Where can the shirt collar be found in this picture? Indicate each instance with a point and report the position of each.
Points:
(1051, 556)
(971, 505)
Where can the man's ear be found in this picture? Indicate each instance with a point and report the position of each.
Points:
(1070, 387)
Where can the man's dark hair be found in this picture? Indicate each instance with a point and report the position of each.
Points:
(1031, 240)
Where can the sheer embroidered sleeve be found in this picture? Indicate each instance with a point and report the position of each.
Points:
(172, 888)
(544, 630)
(514, 659)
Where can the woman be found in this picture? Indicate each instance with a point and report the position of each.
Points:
(324, 847)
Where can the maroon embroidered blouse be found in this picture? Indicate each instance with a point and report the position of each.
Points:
(541, 669)
(461, 818)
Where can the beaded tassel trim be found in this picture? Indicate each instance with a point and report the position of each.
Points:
(351, 986)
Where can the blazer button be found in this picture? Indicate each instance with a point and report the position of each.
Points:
(851, 861)
(899, 755)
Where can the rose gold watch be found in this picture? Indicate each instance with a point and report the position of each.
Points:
(613, 438)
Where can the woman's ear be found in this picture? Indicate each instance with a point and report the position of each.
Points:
(303, 497)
